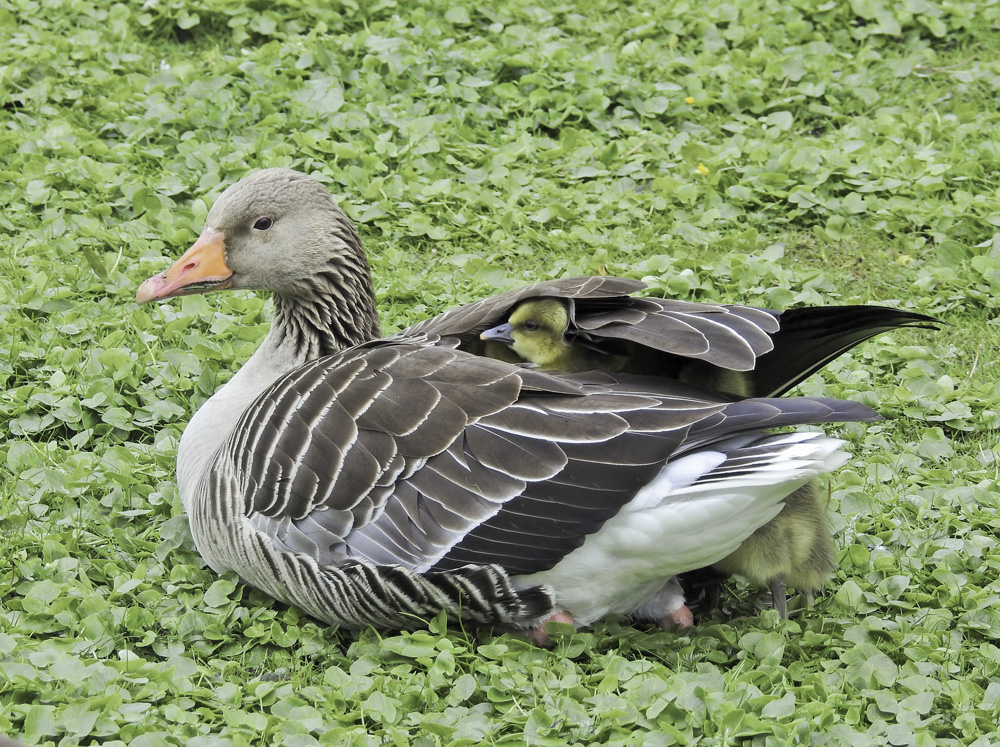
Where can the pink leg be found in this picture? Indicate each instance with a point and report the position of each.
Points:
(666, 607)
(679, 618)
(539, 635)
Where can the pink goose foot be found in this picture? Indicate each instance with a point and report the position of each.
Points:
(679, 618)
(539, 634)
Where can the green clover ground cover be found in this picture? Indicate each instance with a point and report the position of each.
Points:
(756, 151)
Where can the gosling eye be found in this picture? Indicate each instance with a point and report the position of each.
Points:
(263, 223)
(530, 326)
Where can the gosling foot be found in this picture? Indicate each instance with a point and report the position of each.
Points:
(779, 595)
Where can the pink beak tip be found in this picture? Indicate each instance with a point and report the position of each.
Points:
(150, 289)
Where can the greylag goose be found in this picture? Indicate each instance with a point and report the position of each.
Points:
(380, 481)
(794, 548)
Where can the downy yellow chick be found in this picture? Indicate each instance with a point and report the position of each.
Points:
(536, 331)
(794, 549)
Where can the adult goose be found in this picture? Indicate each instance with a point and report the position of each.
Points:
(379, 481)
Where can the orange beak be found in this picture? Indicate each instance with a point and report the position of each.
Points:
(201, 269)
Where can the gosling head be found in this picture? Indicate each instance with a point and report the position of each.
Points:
(536, 331)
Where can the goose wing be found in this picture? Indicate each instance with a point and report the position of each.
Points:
(603, 315)
(472, 319)
(740, 350)
(811, 337)
(426, 457)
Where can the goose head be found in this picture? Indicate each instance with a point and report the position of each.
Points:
(535, 331)
(279, 230)
(272, 231)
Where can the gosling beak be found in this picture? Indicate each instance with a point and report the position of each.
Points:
(201, 269)
(498, 334)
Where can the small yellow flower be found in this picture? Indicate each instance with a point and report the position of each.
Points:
(904, 259)
(689, 100)
(702, 169)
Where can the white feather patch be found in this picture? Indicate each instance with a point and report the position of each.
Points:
(678, 474)
(686, 518)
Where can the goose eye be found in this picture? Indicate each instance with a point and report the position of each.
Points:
(262, 224)
(530, 326)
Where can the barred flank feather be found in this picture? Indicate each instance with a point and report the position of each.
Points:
(355, 594)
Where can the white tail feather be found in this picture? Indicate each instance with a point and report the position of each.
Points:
(693, 514)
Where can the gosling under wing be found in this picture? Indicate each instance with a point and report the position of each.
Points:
(741, 350)
(472, 319)
(602, 313)
(696, 511)
(795, 549)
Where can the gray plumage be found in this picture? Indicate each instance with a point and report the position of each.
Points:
(375, 482)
